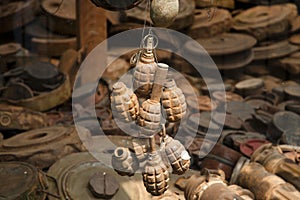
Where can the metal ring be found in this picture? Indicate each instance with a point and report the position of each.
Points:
(154, 38)
(5, 120)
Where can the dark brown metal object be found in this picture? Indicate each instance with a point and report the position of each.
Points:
(283, 121)
(274, 50)
(264, 22)
(42, 147)
(47, 100)
(61, 16)
(249, 86)
(21, 180)
(265, 185)
(103, 185)
(116, 5)
(220, 157)
(203, 27)
(229, 50)
(16, 14)
(271, 158)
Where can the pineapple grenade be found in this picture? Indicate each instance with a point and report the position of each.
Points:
(124, 103)
(150, 111)
(144, 72)
(173, 102)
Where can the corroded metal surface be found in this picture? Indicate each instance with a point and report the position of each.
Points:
(42, 147)
(15, 14)
(274, 50)
(275, 162)
(203, 27)
(264, 22)
(18, 118)
(116, 5)
(265, 185)
(228, 50)
(61, 16)
(21, 180)
(205, 185)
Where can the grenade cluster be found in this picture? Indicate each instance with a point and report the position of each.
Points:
(153, 98)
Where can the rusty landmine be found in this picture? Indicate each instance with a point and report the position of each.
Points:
(61, 16)
(204, 28)
(274, 50)
(21, 180)
(264, 22)
(42, 147)
(16, 14)
(229, 50)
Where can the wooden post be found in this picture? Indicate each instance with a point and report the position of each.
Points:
(91, 31)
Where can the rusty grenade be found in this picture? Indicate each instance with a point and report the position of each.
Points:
(155, 175)
(150, 116)
(173, 101)
(144, 71)
(124, 161)
(178, 157)
(124, 103)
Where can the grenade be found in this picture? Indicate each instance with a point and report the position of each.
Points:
(144, 72)
(124, 103)
(150, 112)
(164, 12)
(173, 102)
(150, 115)
(155, 175)
(124, 162)
(177, 155)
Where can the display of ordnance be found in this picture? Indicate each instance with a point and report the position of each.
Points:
(273, 161)
(149, 84)
(263, 184)
(204, 186)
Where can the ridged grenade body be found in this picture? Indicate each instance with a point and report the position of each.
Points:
(124, 162)
(173, 102)
(156, 176)
(143, 75)
(178, 157)
(124, 103)
(150, 115)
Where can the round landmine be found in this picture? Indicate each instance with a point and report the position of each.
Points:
(22, 181)
(240, 109)
(282, 122)
(228, 50)
(16, 14)
(116, 5)
(17, 91)
(265, 22)
(226, 97)
(61, 16)
(231, 121)
(274, 50)
(45, 42)
(9, 49)
(293, 92)
(202, 27)
(249, 86)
